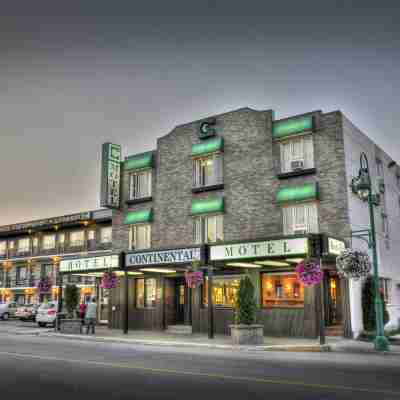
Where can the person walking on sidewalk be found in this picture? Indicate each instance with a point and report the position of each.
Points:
(90, 316)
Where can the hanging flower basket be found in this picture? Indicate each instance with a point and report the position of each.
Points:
(194, 279)
(109, 280)
(353, 264)
(44, 285)
(309, 273)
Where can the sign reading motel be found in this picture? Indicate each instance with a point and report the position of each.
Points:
(267, 248)
(90, 264)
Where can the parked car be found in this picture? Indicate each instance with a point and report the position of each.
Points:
(27, 312)
(8, 310)
(47, 314)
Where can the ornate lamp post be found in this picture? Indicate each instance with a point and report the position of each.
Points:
(361, 185)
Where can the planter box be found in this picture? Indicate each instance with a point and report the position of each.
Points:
(247, 334)
(70, 326)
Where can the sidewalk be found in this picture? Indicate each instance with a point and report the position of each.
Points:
(104, 334)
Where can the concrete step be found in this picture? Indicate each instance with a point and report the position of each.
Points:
(179, 329)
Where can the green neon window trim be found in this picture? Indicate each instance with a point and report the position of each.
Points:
(297, 193)
(136, 217)
(208, 206)
(208, 146)
(139, 161)
(292, 126)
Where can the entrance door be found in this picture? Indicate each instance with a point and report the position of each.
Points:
(180, 300)
(103, 305)
(333, 298)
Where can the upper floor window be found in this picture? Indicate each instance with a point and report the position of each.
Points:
(297, 154)
(11, 245)
(91, 235)
(3, 248)
(140, 184)
(140, 236)
(35, 242)
(61, 238)
(46, 270)
(386, 286)
(23, 245)
(385, 225)
(208, 228)
(207, 170)
(379, 167)
(106, 234)
(22, 273)
(300, 218)
(77, 238)
(49, 242)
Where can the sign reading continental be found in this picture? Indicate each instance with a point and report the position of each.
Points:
(335, 247)
(90, 264)
(175, 256)
(268, 248)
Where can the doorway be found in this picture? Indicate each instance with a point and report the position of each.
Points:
(333, 300)
(180, 300)
(177, 302)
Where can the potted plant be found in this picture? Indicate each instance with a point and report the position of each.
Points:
(245, 330)
(71, 324)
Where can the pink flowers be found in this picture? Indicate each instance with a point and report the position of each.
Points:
(109, 280)
(309, 273)
(194, 279)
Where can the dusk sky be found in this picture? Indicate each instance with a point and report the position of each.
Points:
(76, 74)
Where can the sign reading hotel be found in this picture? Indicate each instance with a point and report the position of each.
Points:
(175, 256)
(90, 264)
(268, 248)
(110, 175)
(335, 247)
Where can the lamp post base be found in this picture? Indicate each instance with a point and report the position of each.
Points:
(381, 343)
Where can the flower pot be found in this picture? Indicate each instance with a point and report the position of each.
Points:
(247, 334)
(72, 326)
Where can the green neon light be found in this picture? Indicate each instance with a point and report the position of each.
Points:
(291, 126)
(297, 193)
(136, 217)
(139, 161)
(207, 206)
(208, 146)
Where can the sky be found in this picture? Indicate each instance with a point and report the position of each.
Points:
(76, 74)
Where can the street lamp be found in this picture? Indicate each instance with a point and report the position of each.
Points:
(362, 186)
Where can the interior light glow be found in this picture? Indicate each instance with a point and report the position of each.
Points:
(272, 263)
(243, 265)
(160, 270)
(294, 260)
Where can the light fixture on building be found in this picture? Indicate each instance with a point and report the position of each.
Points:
(243, 265)
(122, 273)
(271, 263)
(294, 260)
(159, 270)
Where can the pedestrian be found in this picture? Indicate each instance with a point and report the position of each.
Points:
(90, 316)
(82, 312)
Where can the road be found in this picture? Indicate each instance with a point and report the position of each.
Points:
(55, 368)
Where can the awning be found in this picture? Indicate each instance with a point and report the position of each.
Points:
(139, 161)
(208, 146)
(292, 126)
(297, 193)
(208, 206)
(136, 217)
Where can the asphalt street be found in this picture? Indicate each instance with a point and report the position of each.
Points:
(54, 368)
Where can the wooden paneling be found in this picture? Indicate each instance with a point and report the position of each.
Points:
(169, 299)
(310, 312)
(282, 321)
(223, 317)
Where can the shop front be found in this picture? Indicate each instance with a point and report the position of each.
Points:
(86, 273)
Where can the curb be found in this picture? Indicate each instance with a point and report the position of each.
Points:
(287, 348)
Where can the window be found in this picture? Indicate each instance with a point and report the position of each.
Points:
(61, 238)
(23, 245)
(385, 225)
(11, 245)
(77, 238)
(225, 289)
(140, 236)
(208, 229)
(49, 242)
(282, 290)
(22, 273)
(91, 235)
(145, 293)
(106, 234)
(386, 286)
(35, 242)
(140, 184)
(297, 153)
(3, 248)
(379, 167)
(398, 181)
(46, 270)
(207, 171)
(300, 218)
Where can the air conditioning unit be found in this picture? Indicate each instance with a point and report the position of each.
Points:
(297, 165)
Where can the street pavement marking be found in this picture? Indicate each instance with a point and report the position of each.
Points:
(204, 374)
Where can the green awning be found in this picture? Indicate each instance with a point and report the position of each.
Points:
(208, 146)
(208, 206)
(136, 217)
(297, 193)
(139, 161)
(291, 126)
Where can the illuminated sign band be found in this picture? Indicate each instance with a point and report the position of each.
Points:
(110, 175)
(268, 248)
(175, 256)
(335, 247)
(90, 264)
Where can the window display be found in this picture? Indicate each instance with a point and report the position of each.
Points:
(282, 290)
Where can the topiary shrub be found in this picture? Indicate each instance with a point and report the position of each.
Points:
(71, 299)
(246, 305)
(368, 305)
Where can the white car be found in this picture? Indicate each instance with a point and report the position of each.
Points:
(47, 314)
(7, 310)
